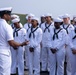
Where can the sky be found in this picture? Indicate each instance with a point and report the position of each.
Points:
(40, 7)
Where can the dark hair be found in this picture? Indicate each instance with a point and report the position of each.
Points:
(4, 12)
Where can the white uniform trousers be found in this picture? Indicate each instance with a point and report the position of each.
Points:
(68, 52)
(57, 58)
(18, 59)
(73, 63)
(5, 64)
(26, 57)
(45, 58)
(34, 61)
(72, 60)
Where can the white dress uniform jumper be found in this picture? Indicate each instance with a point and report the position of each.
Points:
(18, 53)
(27, 26)
(6, 34)
(73, 56)
(68, 29)
(34, 36)
(58, 40)
(46, 44)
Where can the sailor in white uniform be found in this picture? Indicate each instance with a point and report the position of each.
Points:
(34, 37)
(6, 40)
(68, 27)
(72, 52)
(13, 17)
(46, 28)
(57, 50)
(42, 19)
(18, 52)
(27, 26)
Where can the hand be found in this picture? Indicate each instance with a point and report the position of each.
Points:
(53, 50)
(31, 49)
(25, 43)
(74, 51)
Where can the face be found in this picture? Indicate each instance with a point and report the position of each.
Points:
(66, 20)
(48, 18)
(57, 25)
(42, 19)
(34, 22)
(7, 17)
(29, 19)
(17, 24)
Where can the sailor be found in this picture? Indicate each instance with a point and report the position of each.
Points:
(46, 28)
(42, 18)
(57, 50)
(13, 17)
(6, 40)
(68, 27)
(18, 52)
(34, 37)
(27, 26)
(73, 49)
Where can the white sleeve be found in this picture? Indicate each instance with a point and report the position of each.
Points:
(63, 41)
(39, 38)
(24, 34)
(9, 33)
(70, 38)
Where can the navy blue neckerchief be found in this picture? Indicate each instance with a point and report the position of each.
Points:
(56, 33)
(32, 32)
(28, 27)
(16, 32)
(47, 27)
(66, 28)
(75, 33)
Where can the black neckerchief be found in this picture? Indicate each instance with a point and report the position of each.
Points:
(47, 27)
(12, 25)
(32, 32)
(66, 28)
(40, 25)
(28, 27)
(16, 32)
(75, 32)
(56, 33)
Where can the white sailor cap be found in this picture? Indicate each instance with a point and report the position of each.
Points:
(42, 15)
(35, 18)
(58, 20)
(5, 10)
(30, 15)
(48, 14)
(15, 20)
(60, 16)
(75, 19)
(66, 16)
(14, 16)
